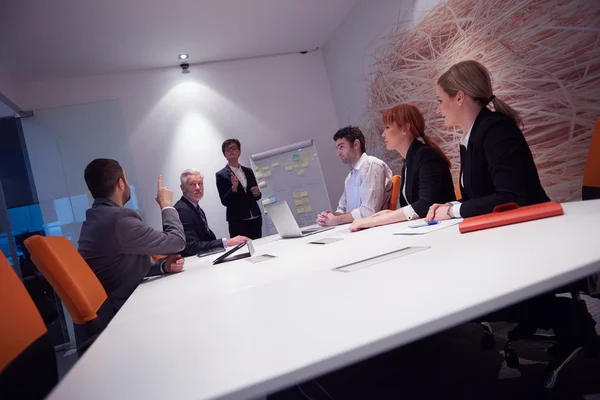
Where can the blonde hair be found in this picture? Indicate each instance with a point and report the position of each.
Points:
(409, 114)
(474, 80)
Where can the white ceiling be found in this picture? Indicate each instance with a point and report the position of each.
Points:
(42, 39)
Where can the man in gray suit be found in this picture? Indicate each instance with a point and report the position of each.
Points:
(115, 242)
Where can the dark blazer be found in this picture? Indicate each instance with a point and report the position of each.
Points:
(428, 181)
(497, 166)
(118, 246)
(198, 236)
(240, 203)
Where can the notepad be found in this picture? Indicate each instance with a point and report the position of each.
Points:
(422, 230)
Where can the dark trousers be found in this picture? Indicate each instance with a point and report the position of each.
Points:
(251, 228)
(569, 320)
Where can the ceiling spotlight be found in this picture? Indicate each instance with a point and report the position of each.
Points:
(184, 56)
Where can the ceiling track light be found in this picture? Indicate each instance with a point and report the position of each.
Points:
(183, 56)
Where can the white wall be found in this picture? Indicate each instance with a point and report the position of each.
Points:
(175, 121)
(9, 88)
(351, 50)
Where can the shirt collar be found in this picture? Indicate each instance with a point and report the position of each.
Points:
(465, 139)
(360, 161)
(190, 201)
(107, 202)
(235, 168)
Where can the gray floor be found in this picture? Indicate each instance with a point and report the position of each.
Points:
(64, 361)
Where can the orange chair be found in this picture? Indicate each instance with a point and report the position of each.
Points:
(75, 283)
(591, 173)
(157, 257)
(395, 192)
(27, 361)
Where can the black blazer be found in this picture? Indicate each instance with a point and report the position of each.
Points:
(240, 203)
(428, 181)
(198, 236)
(497, 166)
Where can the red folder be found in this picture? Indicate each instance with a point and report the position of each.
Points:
(510, 213)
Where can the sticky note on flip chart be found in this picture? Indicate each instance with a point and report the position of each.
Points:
(259, 175)
(262, 184)
(298, 202)
(296, 157)
(289, 167)
(305, 201)
(275, 164)
(307, 209)
(300, 172)
(304, 193)
(300, 210)
(297, 193)
(305, 164)
(267, 173)
(269, 200)
(297, 165)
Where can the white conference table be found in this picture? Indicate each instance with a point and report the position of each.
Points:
(243, 330)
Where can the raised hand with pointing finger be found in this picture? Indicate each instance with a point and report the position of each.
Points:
(164, 195)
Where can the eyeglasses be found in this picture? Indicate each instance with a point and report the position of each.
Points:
(231, 148)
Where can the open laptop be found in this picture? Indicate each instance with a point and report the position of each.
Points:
(286, 225)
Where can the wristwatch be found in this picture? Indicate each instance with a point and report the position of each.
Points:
(449, 212)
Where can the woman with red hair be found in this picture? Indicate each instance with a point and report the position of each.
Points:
(425, 178)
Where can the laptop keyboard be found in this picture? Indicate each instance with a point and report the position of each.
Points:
(310, 230)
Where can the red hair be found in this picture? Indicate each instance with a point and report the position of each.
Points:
(409, 114)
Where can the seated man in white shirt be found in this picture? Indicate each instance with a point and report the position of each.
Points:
(368, 186)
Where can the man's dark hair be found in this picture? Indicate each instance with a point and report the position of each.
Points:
(229, 142)
(101, 177)
(351, 133)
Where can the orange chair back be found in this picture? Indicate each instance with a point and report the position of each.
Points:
(457, 191)
(591, 173)
(157, 257)
(73, 280)
(22, 323)
(395, 192)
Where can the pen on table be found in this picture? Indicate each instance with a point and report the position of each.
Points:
(425, 224)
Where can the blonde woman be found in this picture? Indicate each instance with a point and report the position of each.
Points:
(496, 168)
(496, 163)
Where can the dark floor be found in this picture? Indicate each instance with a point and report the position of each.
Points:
(65, 359)
(453, 365)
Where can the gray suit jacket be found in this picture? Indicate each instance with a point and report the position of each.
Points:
(118, 246)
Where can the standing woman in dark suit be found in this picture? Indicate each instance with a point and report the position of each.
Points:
(239, 192)
(496, 168)
(425, 178)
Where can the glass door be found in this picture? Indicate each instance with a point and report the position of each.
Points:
(20, 218)
(60, 142)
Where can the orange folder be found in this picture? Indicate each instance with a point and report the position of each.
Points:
(510, 213)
